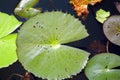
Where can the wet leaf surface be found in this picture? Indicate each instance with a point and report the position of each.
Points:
(111, 29)
(43, 37)
(101, 67)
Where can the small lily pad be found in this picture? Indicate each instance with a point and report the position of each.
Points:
(8, 50)
(101, 67)
(8, 23)
(102, 15)
(41, 49)
(111, 29)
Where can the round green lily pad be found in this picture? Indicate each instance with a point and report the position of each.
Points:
(101, 67)
(111, 28)
(8, 50)
(41, 49)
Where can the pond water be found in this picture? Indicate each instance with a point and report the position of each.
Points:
(94, 29)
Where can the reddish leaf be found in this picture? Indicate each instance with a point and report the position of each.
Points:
(97, 47)
(117, 4)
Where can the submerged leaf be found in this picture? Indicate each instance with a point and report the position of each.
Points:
(102, 15)
(111, 29)
(100, 67)
(80, 6)
(7, 24)
(117, 4)
(8, 50)
(97, 47)
(40, 45)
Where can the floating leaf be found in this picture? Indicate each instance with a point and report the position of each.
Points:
(100, 67)
(8, 50)
(40, 45)
(102, 15)
(7, 24)
(7, 42)
(111, 29)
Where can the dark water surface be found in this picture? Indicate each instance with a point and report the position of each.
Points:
(94, 29)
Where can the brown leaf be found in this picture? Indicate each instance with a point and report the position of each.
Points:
(80, 6)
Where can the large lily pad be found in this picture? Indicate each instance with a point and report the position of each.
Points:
(111, 29)
(8, 50)
(101, 67)
(40, 45)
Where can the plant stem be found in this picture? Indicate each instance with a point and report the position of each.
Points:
(14, 74)
(107, 46)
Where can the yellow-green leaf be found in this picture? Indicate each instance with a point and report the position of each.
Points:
(8, 23)
(41, 49)
(8, 50)
(102, 15)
